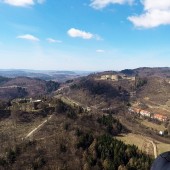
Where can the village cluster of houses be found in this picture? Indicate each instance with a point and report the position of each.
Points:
(145, 113)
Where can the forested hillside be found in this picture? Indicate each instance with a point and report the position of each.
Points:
(72, 139)
(21, 87)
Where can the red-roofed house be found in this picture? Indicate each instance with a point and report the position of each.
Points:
(160, 117)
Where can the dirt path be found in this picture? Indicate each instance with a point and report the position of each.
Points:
(38, 127)
(149, 146)
(154, 147)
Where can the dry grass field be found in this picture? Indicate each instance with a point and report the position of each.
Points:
(132, 139)
(140, 142)
(153, 125)
(162, 147)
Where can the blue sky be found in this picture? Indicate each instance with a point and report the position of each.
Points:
(84, 34)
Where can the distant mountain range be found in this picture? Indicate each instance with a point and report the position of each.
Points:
(59, 76)
(62, 76)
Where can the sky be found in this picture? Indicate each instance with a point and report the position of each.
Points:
(89, 35)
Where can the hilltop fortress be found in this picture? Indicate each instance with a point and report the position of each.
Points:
(114, 77)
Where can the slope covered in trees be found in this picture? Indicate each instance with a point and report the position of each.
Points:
(72, 139)
(25, 87)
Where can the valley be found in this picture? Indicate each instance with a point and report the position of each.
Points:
(75, 123)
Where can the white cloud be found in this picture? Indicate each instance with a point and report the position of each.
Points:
(156, 4)
(100, 51)
(156, 13)
(23, 3)
(51, 40)
(152, 18)
(79, 33)
(99, 4)
(28, 37)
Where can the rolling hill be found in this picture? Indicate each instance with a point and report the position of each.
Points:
(147, 72)
(25, 87)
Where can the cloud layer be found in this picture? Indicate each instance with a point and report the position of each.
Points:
(23, 3)
(28, 37)
(79, 33)
(99, 4)
(156, 13)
